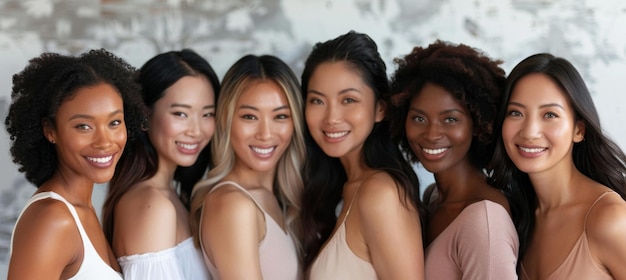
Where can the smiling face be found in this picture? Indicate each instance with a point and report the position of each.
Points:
(183, 121)
(539, 130)
(262, 126)
(89, 133)
(439, 129)
(341, 109)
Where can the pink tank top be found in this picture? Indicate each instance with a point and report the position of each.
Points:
(337, 261)
(277, 251)
(578, 264)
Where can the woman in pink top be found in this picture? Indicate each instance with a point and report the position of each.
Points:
(444, 101)
(351, 156)
(552, 153)
(246, 214)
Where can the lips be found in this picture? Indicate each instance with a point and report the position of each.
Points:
(263, 151)
(187, 146)
(335, 135)
(434, 151)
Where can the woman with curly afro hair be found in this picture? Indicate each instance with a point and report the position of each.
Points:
(68, 122)
(443, 102)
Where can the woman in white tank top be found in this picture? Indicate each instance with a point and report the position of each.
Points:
(245, 215)
(68, 123)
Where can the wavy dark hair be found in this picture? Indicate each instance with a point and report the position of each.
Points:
(47, 82)
(324, 176)
(140, 162)
(467, 73)
(597, 156)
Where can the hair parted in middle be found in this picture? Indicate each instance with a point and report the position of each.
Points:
(288, 181)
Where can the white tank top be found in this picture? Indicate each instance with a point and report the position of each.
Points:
(92, 267)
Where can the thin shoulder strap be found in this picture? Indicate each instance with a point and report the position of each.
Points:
(356, 193)
(234, 184)
(594, 204)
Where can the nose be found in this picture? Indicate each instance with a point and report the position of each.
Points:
(530, 129)
(193, 128)
(332, 114)
(264, 131)
(103, 138)
(433, 132)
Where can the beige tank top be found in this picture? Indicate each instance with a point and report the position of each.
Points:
(277, 251)
(578, 264)
(337, 261)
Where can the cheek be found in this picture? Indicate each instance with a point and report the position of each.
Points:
(120, 136)
(311, 115)
(209, 128)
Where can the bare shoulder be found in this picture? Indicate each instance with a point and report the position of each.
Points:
(607, 219)
(46, 226)
(379, 188)
(145, 202)
(145, 221)
(229, 201)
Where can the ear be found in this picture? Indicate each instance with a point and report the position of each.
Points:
(381, 106)
(48, 131)
(579, 132)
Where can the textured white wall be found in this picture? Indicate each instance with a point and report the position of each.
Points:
(589, 33)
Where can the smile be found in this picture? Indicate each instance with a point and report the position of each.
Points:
(532, 150)
(336, 134)
(100, 159)
(263, 151)
(434, 151)
(187, 146)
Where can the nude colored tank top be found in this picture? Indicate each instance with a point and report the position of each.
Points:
(578, 264)
(92, 266)
(337, 261)
(277, 251)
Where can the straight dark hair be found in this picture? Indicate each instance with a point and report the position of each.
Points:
(324, 176)
(597, 156)
(140, 160)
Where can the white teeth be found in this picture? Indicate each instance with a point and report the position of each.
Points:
(531, 150)
(263, 151)
(434, 151)
(100, 160)
(336, 134)
(187, 146)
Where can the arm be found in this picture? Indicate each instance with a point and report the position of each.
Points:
(145, 226)
(230, 234)
(487, 243)
(606, 226)
(46, 226)
(391, 230)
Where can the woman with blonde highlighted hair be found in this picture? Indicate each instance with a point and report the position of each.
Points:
(246, 213)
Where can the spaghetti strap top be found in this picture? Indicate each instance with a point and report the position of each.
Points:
(277, 251)
(578, 264)
(92, 266)
(337, 261)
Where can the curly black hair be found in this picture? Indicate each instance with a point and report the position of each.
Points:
(41, 88)
(467, 73)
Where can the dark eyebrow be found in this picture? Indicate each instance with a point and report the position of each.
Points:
(174, 105)
(83, 116)
(441, 113)
(340, 92)
(541, 106)
(257, 109)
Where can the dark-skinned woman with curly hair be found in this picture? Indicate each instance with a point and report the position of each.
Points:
(444, 99)
(68, 122)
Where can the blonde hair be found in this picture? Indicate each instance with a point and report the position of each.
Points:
(288, 183)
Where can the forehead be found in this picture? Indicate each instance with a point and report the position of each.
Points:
(262, 92)
(538, 88)
(331, 77)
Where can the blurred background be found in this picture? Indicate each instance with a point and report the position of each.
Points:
(589, 33)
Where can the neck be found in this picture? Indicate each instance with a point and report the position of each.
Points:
(75, 189)
(556, 187)
(460, 183)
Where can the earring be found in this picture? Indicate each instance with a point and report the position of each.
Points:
(52, 141)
